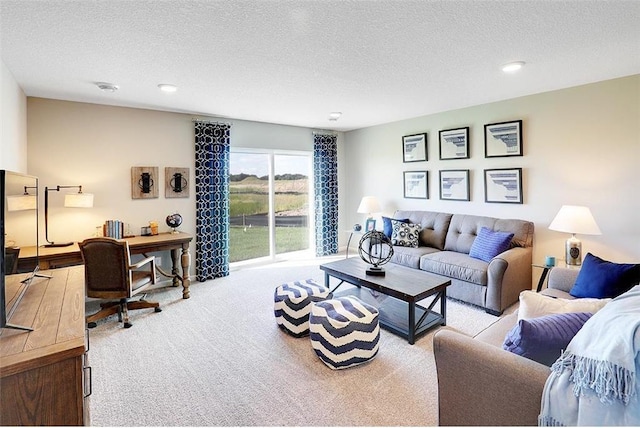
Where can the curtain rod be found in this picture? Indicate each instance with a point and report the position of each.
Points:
(213, 122)
(323, 132)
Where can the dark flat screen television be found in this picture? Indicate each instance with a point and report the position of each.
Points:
(18, 227)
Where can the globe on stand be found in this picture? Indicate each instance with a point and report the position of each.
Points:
(174, 221)
(376, 249)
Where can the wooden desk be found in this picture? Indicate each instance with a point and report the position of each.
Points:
(44, 374)
(58, 257)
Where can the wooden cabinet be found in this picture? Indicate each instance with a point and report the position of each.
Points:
(45, 378)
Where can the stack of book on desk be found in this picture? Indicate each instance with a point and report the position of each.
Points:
(113, 229)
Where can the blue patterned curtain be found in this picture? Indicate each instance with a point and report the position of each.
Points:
(212, 200)
(325, 176)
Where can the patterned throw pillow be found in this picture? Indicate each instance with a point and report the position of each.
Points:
(489, 244)
(405, 234)
(543, 339)
(387, 228)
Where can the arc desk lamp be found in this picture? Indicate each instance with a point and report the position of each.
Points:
(71, 200)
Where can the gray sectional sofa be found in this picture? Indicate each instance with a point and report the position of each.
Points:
(481, 384)
(444, 244)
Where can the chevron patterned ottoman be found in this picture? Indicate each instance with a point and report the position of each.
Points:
(344, 331)
(292, 305)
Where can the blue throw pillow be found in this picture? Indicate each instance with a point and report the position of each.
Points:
(489, 244)
(387, 228)
(601, 279)
(544, 338)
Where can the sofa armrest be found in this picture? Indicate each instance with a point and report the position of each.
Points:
(480, 384)
(562, 279)
(509, 273)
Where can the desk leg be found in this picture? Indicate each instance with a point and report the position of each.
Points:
(174, 267)
(186, 265)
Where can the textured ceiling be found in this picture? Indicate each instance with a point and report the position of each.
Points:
(294, 62)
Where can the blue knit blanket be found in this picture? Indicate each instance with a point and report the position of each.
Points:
(595, 380)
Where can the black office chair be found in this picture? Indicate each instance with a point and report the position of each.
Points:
(109, 274)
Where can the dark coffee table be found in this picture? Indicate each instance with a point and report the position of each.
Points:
(399, 312)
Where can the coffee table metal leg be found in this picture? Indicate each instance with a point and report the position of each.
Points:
(443, 306)
(412, 322)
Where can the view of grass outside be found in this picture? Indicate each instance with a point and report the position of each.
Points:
(249, 243)
(249, 211)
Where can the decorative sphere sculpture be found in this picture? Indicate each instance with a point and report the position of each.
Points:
(174, 221)
(376, 249)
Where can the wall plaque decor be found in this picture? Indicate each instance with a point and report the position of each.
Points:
(454, 143)
(454, 185)
(503, 185)
(176, 182)
(415, 185)
(503, 139)
(144, 182)
(414, 148)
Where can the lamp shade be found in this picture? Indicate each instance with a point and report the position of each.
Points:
(21, 202)
(368, 205)
(576, 220)
(78, 200)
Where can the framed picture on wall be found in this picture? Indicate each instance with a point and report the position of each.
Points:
(503, 139)
(454, 185)
(503, 185)
(414, 148)
(454, 143)
(144, 182)
(415, 185)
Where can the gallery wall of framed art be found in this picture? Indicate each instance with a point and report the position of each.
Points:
(502, 139)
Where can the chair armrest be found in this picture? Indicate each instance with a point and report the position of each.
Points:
(151, 261)
(143, 262)
(481, 384)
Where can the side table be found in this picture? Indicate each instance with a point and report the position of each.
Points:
(545, 271)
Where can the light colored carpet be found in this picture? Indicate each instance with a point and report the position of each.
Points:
(219, 358)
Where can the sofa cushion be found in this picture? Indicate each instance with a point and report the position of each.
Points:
(533, 305)
(599, 278)
(434, 226)
(544, 338)
(387, 228)
(464, 229)
(410, 257)
(405, 234)
(489, 244)
(456, 265)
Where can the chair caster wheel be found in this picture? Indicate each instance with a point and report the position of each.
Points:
(92, 325)
(127, 325)
(157, 309)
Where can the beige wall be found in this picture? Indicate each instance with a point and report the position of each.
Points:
(96, 146)
(13, 123)
(581, 147)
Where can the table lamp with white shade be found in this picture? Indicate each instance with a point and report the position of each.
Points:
(574, 219)
(369, 205)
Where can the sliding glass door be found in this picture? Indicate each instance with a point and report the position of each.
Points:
(269, 203)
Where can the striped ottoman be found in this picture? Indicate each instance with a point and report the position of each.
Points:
(292, 305)
(344, 331)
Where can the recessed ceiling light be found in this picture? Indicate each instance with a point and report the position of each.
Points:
(107, 87)
(166, 87)
(335, 115)
(510, 67)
